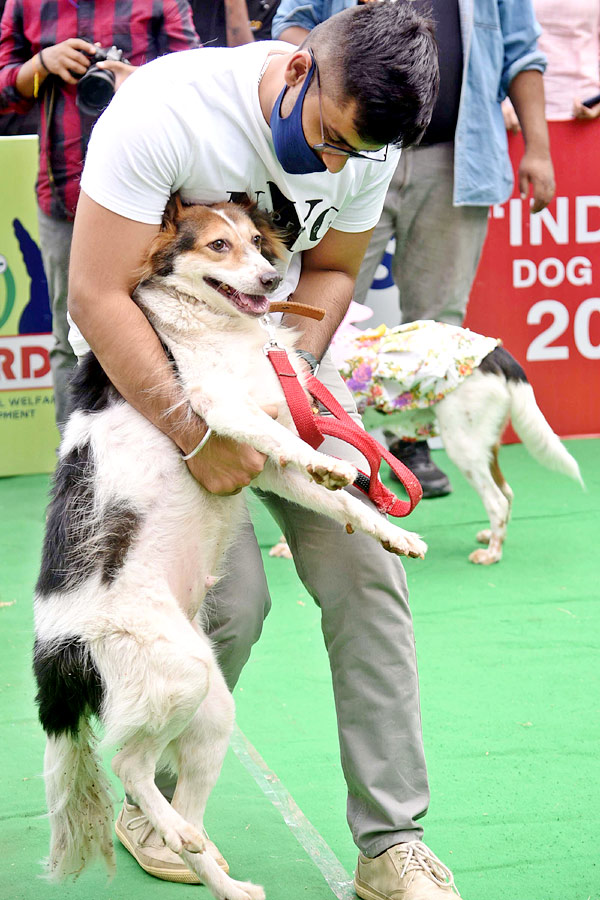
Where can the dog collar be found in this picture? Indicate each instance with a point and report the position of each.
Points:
(297, 309)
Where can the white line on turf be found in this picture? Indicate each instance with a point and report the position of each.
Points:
(305, 833)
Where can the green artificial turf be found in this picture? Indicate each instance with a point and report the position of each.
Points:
(510, 693)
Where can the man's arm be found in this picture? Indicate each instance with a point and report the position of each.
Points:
(293, 35)
(329, 271)
(294, 19)
(237, 23)
(106, 251)
(526, 92)
(521, 79)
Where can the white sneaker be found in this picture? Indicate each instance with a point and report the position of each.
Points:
(139, 837)
(408, 871)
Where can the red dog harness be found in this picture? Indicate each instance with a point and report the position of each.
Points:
(313, 427)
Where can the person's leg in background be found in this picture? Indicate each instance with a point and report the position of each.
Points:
(438, 247)
(383, 231)
(55, 245)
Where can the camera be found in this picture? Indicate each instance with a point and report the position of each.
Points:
(96, 87)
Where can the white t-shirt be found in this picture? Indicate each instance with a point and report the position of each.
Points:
(192, 122)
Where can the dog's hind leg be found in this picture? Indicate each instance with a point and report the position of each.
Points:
(199, 752)
(135, 764)
(485, 536)
(156, 671)
(471, 420)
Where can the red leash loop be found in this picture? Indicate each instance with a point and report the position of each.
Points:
(312, 427)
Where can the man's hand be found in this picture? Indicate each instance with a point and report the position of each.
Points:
(511, 122)
(537, 172)
(583, 112)
(68, 59)
(121, 70)
(526, 92)
(224, 467)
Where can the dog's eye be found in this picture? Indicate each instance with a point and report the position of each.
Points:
(257, 241)
(219, 246)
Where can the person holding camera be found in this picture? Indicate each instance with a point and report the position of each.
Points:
(65, 62)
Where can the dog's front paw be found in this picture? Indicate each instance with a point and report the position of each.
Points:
(185, 838)
(332, 473)
(404, 543)
(485, 536)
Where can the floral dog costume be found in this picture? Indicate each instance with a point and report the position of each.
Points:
(408, 369)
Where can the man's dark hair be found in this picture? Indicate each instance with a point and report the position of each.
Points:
(383, 55)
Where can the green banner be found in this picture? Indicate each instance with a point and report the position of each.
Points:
(28, 434)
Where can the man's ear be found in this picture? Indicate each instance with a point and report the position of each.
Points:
(297, 68)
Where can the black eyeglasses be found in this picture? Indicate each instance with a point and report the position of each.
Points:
(370, 156)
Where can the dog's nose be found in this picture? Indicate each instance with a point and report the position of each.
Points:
(270, 280)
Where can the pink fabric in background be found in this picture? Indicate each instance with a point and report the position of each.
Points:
(570, 40)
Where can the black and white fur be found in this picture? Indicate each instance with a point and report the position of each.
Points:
(132, 542)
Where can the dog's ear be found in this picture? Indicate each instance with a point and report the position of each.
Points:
(172, 214)
(159, 258)
(273, 238)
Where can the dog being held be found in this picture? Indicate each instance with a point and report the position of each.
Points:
(133, 541)
(433, 374)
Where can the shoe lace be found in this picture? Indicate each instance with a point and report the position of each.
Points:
(141, 821)
(417, 856)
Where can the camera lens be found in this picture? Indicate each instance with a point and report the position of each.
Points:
(95, 91)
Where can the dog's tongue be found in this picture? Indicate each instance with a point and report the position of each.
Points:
(253, 304)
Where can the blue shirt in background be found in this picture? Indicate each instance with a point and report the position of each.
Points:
(499, 40)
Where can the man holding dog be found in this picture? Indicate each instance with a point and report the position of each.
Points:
(311, 134)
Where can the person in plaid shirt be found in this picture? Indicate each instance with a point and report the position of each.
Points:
(44, 50)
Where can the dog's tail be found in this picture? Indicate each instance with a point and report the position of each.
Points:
(527, 419)
(80, 804)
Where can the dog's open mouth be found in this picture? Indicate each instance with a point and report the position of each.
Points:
(252, 304)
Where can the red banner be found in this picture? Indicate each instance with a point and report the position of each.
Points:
(537, 285)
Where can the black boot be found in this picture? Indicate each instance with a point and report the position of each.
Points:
(416, 456)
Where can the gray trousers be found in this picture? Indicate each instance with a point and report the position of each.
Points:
(55, 246)
(438, 245)
(366, 622)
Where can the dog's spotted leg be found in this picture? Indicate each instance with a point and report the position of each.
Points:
(221, 885)
(135, 764)
(488, 555)
(332, 475)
